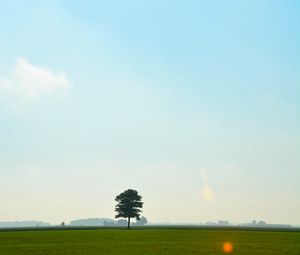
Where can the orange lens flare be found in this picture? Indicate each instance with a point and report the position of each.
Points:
(227, 247)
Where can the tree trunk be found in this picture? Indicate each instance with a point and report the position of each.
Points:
(128, 223)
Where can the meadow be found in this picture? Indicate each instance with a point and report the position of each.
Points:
(148, 242)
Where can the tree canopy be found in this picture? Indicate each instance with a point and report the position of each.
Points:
(129, 204)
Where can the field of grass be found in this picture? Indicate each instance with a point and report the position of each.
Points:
(147, 242)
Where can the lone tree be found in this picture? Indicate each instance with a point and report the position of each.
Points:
(129, 204)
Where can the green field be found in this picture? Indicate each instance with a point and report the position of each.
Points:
(147, 242)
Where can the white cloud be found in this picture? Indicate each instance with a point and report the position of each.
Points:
(28, 82)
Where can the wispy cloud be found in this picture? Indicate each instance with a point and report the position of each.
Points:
(28, 82)
(206, 191)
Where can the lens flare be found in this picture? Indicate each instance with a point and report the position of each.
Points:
(227, 247)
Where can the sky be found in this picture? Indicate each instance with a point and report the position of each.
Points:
(195, 104)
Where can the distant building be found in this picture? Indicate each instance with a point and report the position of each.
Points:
(223, 222)
(211, 223)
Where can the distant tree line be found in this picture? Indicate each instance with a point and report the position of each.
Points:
(122, 222)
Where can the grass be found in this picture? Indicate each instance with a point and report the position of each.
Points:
(147, 241)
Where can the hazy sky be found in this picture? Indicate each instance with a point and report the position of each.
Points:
(196, 104)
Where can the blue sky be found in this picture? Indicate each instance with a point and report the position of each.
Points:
(193, 103)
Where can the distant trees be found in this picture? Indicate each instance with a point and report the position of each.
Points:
(129, 204)
(141, 222)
